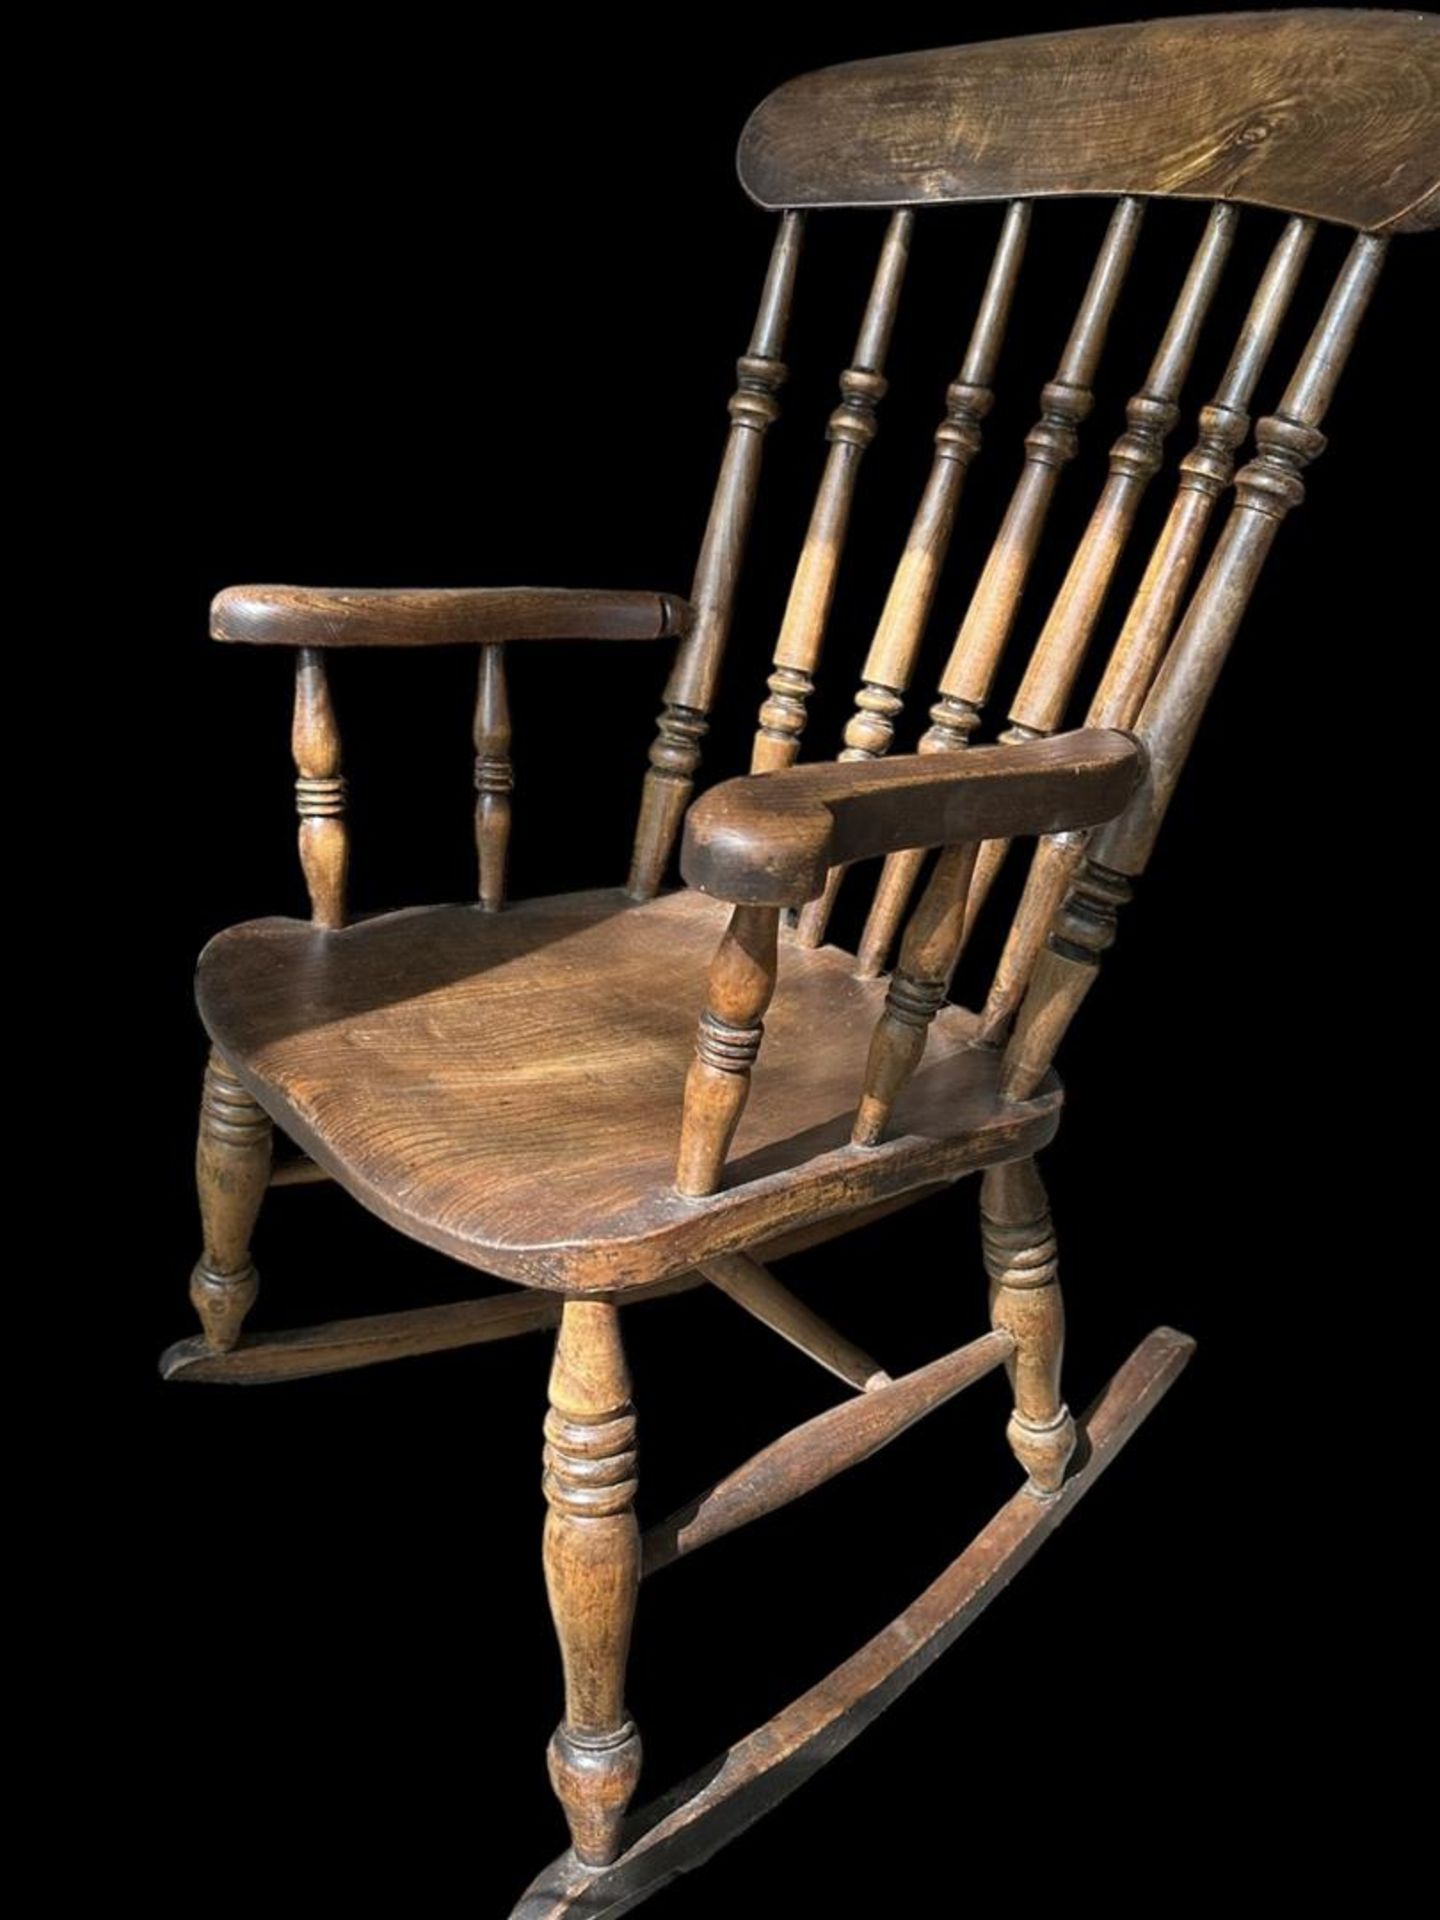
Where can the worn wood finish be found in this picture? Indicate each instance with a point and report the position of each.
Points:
(441, 1063)
(1136, 457)
(688, 1825)
(727, 1041)
(275, 616)
(1205, 474)
(851, 428)
(814, 1452)
(526, 1091)
(494, 777)
(319, 791)
(690, 690)
(891, 659)
(771, 840)
(592, 1573)
(1025, 1302)
(916, 991)
(1051, 444)
(1266, 490)
(756, 1289)
(232, 1171)
(337, 1346)
(1333, 112)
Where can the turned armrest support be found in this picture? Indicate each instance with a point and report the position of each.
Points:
(769, 839)
(439, 616)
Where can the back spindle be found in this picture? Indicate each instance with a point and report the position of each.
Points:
(1205, 474)
(319, 790)
(851, 428)
(1135, 459)
(494, 777)
(891, 659)
(690, 690)
(1266, 490)
(1050, 446)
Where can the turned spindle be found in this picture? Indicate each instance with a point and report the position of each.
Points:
(232, 1172)
(1266, 490)
(592, 1573)
(852, 426)
(690, 690)
(1050, 446)
(494, 777)
(916, 991)
(891, 659)
(741, 982)
(1205, 475)
(319, 790)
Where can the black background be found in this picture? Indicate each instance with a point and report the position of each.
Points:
(461, 306)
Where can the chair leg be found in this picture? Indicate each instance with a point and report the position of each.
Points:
(592, 1573)
(232, 1171)
(1021, 1260)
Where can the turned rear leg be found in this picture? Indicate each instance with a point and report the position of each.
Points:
(232, 1171)
(1021, 1260)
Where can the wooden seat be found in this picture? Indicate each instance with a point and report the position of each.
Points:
(508, 1087)
(611, 1095)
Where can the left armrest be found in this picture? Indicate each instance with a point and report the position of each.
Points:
(439, 616)
(769, 839)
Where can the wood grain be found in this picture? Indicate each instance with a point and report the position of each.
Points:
(815, 1451)
(688, 1825)
(769, 839)
(753, 1287)
(507, 1087)
(276, 616)
(690, 689)
(1229, 106)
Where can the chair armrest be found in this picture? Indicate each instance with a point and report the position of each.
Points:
(769, 839)
(439, 616)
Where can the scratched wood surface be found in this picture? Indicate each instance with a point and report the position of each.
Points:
(507, 1087)
(1256, 107)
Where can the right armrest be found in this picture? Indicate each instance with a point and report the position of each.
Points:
(439, 616)
(769, 839)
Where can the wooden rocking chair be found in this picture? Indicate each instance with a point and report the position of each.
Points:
(523, 1085)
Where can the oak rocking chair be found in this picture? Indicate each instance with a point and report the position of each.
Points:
(439, 1062)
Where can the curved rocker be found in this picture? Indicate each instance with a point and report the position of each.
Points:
(686, 1826)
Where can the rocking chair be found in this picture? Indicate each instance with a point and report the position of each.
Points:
(524, 1085)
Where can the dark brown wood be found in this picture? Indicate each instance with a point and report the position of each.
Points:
(550, 1044)
(769, 839)
(232, 1171)
(690, 690)
(891, 659)
(1255, 107)
(691, 1823)
(263, 1359)
(851, 428)
(319, 791)
(814, 1452)
(1205, 474)
(527, 1091)
(1051, 444)
(592, 1573)
(271, 616)
(1266, 490)
(494, 777)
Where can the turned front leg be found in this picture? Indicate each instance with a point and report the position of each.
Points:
(232, 1171)
(1021, 1260)
(592, 1573)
